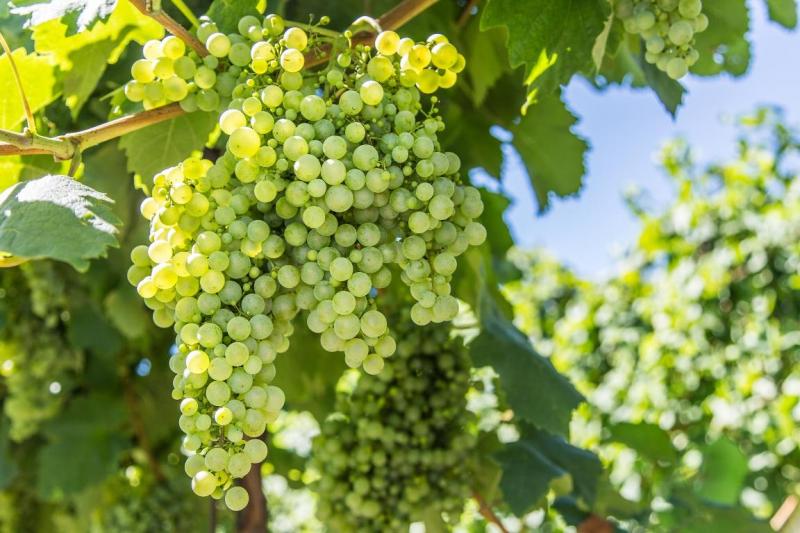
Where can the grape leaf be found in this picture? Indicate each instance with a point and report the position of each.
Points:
(82, 58)
(39, 80)
(535, 391)
(723, 473)
(552, 153)
(473, 141)
(648, 439)
(495, 205)
(486, 51)
(84, 445)
(669, 91)
(78, 15)
(784, 12)
(724, 46)
(692, 515)
(554, 38)
(104, 170)
(537, 459)
(56, 217)
(154, 148)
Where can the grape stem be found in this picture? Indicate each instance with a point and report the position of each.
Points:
(64, 146)
(391, 20)
(312, 29)
(171, 25)
(487, 512)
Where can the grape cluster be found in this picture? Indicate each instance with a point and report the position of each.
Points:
(328, 180)
(155, 507)
(166, 74)
(668, 28)
(37, 362)
(398, 442)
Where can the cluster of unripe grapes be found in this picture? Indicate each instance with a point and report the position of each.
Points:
(330, 181)
(398, 443)
(668, 28)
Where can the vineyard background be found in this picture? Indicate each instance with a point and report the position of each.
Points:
(659, 393)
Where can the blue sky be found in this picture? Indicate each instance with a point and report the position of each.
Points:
(626, 128)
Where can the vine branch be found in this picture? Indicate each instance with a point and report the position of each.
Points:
(65, 146)
(171, 25)
(487, 513)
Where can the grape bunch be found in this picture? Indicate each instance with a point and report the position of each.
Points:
(329, 181)
(37, 362)
(668, 28)
(399, 441)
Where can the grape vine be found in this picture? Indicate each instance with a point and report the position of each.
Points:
(327, 181)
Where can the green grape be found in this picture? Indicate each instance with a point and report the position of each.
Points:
(305, 211)
(427, 455)
(218, 44)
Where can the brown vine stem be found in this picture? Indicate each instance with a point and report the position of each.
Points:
(171, 25)
(253, 518)
(487, 512)
(65, 146)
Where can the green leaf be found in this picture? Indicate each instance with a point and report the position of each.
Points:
(473, 141)
(554, 38)
(226, 13)
(56, 217)
(535, 391)
(308, 374)
(38, 75)
(690, 515)
(154, 148)
(78, 15)
(495, 205)
(82, 58)
(539, 458)
(90, 330)
(724, 46)
(648, 439)
(83, 445)
(723, 473)
(104, 170)
(552, 152)
(8, 467)
(784, 12)
(125, 311)
(485, 53)
(669, 91)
